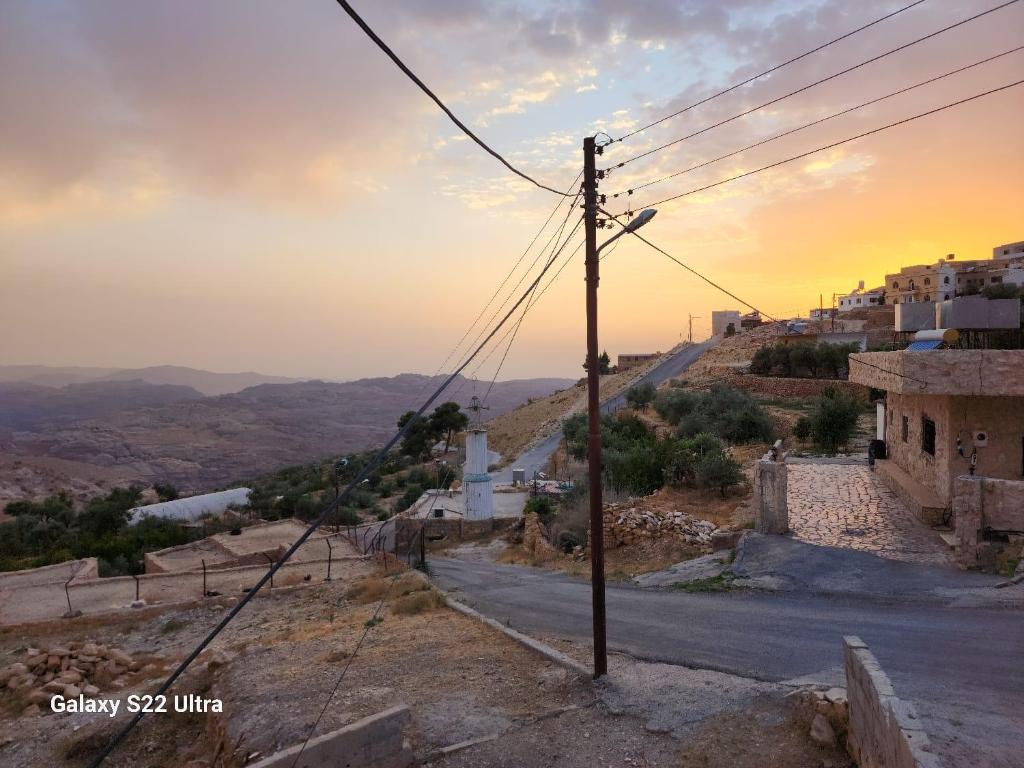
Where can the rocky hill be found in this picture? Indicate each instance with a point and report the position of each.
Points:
(203, 443)
(206, 382)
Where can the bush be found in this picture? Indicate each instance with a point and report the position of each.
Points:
(543, 506)
(730, 414)
(834, 419)
(675, 403)
(802, 429)
(409, 497)
(803, 358)
(640, 396)
(718, 470)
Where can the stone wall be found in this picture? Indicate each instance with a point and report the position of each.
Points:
(778, 386)
(980, 503)
(771, 512)
(49, 601)
(884, 730)
(76, 570)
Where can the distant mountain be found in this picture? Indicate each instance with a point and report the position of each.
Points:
(31, 406)
(200, 443)
(206, 382)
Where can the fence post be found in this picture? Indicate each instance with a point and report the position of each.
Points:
(72, 613)
(271, 561)
(330, 557)
(205, 593)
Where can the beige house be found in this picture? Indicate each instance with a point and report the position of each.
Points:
(625, 362)
(953, 425)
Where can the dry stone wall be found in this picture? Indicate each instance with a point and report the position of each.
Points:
(884, 730)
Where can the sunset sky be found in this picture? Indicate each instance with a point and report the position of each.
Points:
(252, 185)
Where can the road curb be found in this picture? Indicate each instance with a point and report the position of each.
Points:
(544, 650)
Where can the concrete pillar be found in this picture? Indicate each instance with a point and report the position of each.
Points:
(477, 485)
(967, 512)
(771, 513)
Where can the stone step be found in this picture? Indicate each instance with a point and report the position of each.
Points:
(922, 501)
(949, 537)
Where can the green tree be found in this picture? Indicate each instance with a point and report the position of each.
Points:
(418, 438)
(804, 357)
(447, 419)
(763, 362)
(1000, 291)
(834, 419)
(641, 395)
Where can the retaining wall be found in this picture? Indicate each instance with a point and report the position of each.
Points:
(885, 731)
(778, 386)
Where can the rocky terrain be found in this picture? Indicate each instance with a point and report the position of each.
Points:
(206, 382)
(203, 443)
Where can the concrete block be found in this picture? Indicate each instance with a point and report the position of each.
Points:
(373, 742)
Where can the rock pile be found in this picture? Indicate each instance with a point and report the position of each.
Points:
(626, 523)
(72, 671)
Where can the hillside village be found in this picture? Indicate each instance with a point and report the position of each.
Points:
(845, 455)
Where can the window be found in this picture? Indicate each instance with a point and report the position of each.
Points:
(947, 297)
(895, 285)
(927, 281)
(946, 280)
(904, 428)
(997, 279)
(858, 298)
(927, 435)
(927, 297)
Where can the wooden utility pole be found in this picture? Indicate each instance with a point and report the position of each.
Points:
(594, 411)
(692, 318)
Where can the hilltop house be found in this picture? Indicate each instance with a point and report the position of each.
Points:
(953, 425)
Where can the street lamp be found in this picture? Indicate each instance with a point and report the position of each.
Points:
(642, 218)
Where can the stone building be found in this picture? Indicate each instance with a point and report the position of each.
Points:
(625, 362)
(953, 425)
(721, 319)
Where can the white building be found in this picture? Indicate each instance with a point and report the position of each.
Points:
(722, 319)
(859, 298)
(477, 484)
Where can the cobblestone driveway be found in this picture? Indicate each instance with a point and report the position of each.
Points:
(848, 506)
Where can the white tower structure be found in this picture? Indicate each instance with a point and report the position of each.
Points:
(477, 485)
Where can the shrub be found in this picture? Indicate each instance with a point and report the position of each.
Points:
(543, 506)
(674, 403)
(408, 497)
(802, 429)
(833, 419)
(763, 362)
(730, 414)
(718, 470)
(640, 396)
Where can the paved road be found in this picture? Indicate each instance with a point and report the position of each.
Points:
(963, 668)
(534, 458)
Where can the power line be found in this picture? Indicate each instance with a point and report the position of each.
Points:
(526, 309)
(768, 71)
(370, 467)
(423, 87)
(366, 630)
(790, 132)
(522, 277)
(835, 144)
(502, 284)
(533, 302)
(690, 269)
(810, 85)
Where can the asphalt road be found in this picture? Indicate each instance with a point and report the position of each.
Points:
(536, 457)
(962, 667)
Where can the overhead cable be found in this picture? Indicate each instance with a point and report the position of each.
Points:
(805, 126)
(835, 144)
(363, 473)
(423, 87)
(777, 67)
(807, 87)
